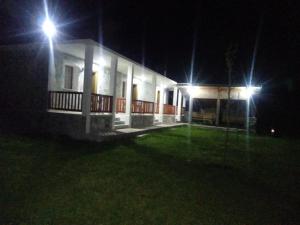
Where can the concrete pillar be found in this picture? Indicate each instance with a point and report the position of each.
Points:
(190, 109)
(166, 96)
(247, 114)
(161, 103)
(154, 96)
(51, 68)
(87, 86)
(218, 112)
(113, 85)
(179, 106)
(175, 92)
(184, 101)
(129, 82)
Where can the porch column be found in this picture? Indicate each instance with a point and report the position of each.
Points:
(87, 86)
(154, 94)
(161, 103)
(175, 90)
(113, 79)
(190, 109)
(218, 112)
(179, 106)
(247, 114)
(218, 106)
(129, 82)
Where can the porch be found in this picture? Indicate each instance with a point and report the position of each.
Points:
(101, 86)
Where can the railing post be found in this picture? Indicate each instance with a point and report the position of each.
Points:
(87, 85)
(113, 79)
(129, 82)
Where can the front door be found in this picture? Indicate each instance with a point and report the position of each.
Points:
(94, 82)
(134, 92)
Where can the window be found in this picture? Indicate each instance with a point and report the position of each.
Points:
(68, 77)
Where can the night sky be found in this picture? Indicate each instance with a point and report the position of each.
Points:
(161, 35)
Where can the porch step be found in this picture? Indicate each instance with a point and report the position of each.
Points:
(119, 122)
(117, 119)
(120, 126)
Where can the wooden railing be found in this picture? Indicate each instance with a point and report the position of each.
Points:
(156, 108)
(139, 106)
(101, 103)
(62, 100)
(121, 105)
(169, 109)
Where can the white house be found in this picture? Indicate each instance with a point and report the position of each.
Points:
(80, 88)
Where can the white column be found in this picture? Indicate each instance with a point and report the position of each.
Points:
(218, 112)
(190, 109)
(129, 82)
(175, 91)
(161, 103)
(87, 86)
(184, 101)
(166, 96)
(179, 106)
(113, 79)
(154, 94)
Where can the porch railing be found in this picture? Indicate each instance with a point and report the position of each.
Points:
(169, 109)
(67, 101)
(101, 103)
(121, 105)
(139, 106)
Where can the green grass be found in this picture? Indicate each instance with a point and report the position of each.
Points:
(173, 176)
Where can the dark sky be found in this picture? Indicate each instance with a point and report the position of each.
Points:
(160, 34)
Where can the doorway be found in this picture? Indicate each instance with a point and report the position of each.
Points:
(94, 82)
(134, 92)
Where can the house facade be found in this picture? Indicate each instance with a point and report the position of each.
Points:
(81, 89)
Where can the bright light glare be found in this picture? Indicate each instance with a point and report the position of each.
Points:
(49, 28)
(250, 91)
(192, 90)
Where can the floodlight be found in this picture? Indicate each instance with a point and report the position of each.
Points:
(49, 28)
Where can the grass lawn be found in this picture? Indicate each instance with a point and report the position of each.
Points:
(175, 176)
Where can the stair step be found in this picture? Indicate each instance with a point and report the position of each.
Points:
(117, 119)
(120, 126)
(119, 122)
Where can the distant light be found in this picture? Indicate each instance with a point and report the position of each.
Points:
(49, 28)
(272, 131)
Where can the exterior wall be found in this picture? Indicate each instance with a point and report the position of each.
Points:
(120, 79)
(23, 87)
(72, 125)
(169, 119)
(61, 60)
(139, 121)
(100, 123)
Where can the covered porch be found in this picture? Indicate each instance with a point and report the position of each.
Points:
(106, 91)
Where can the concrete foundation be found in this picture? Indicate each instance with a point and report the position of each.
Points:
(169, 119)
(101, 123)
(139, 121)
(73, 125)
